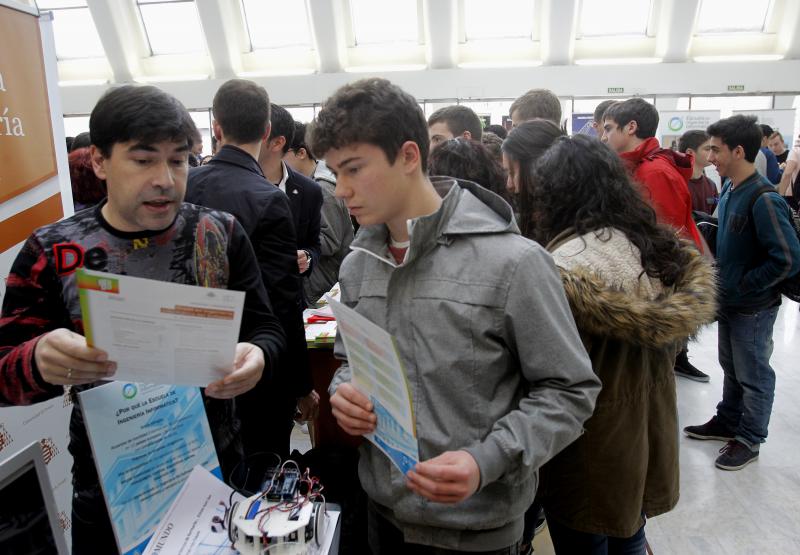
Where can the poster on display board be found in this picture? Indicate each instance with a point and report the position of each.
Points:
(582, 125)
(673, 124)
(780, 120)
(34, 191)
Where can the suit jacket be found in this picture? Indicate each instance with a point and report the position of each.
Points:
(233, 181)
(305, 198)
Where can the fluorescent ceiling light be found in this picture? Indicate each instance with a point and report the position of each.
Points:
(171, 78)
(277, 72)
(82, 82)
(500, 64)
(616, 61)
(740, 58)
(380, 69)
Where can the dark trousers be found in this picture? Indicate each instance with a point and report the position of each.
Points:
(266, 421)
(571, 542)
(386, 539)
(91, 526)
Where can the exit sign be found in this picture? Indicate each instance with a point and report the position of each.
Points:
(616, 90)
(735, 88)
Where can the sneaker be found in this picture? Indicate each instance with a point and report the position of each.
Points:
(713, 429)
(686, 369)
(735, 455)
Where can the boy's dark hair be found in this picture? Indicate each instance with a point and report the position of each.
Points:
(575, 185)
(635, 109)
(537, 103)
(738, 130)
(241, 108)
(468, 159)
(498, 130)
(494, 145)
(766, 130)
(81, 140)
(299, 140)
(141, 113)
(458, 119)
(600, 111)
(282, 126)
(372, 111)
(692, 139)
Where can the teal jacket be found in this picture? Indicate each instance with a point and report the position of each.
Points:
(756, 249)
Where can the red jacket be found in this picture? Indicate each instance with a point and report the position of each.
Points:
(663, 175)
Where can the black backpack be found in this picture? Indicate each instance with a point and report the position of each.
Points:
(790, 287)
(708, 227)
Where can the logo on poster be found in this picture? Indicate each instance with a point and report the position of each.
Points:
(5, 438)
(129, 390)
(49, 449)
(675, 124)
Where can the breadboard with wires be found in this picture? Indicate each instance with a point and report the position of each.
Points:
(286, 518)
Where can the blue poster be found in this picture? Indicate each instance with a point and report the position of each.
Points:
(582, 124)
(145, 439)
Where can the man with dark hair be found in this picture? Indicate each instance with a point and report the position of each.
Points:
(757, 248)
(769, 168)
(597, 116)
(335, 227)
(498, 130)
(142, 138)
(454, 121)
(305, 196)
(536, 103)
(629, 128)
(233, 181)
(443, 276)
(704, 193)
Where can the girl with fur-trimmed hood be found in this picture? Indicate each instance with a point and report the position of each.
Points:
(636, 292)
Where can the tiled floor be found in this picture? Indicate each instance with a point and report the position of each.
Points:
(753, 511)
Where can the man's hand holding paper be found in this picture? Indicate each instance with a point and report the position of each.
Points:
(353, 411)
(63, 358)
(247, 369)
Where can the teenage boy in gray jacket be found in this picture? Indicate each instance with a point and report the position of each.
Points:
(498, 375)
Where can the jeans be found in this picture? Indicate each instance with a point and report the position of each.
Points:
(745, 347)
(571, 542)
(386, 539)
(91, 526)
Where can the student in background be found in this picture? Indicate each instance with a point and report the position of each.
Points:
(454, 121)
(470, 160)
(636, 291)
(703, 191)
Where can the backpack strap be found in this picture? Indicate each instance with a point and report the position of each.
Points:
(761, 190)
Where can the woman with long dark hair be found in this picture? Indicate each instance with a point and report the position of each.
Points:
(636, 292)
(521, 149)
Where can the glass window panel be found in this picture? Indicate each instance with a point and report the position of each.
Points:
(75, 35)
(56, 4)
(73, 125)
(276, 23)
(727, 104)
(381, 21)
(172, 28)
(303, 114)
(605, 17)
(719, 16)
(498, 19)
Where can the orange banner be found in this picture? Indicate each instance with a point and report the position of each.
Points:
(27, 156)
(17, 228)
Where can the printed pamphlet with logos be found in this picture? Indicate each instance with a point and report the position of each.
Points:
(161, 332)
(378, 373)
(146, 439)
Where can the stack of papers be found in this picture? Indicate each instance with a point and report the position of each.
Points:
(320, 322)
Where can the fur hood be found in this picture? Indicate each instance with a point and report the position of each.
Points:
(602, 305)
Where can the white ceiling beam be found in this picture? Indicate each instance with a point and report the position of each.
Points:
(676, 23)
(441, 33)
(221, 32)
(558, 29)
(789, 33)
(115, 21)
(328, 26)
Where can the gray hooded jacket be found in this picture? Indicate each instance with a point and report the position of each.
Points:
(495, 364)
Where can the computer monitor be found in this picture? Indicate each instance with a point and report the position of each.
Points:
(28, 514)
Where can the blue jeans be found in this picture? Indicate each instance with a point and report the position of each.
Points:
(571, 542)
(745, 347)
